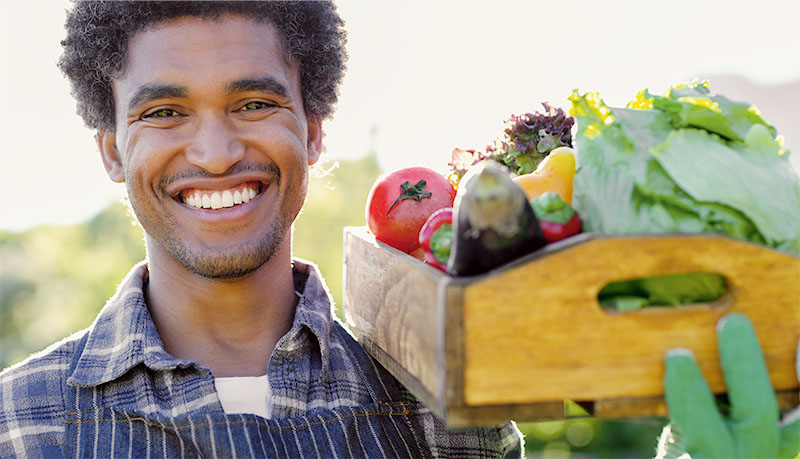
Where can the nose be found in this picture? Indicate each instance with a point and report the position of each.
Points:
(215, 145)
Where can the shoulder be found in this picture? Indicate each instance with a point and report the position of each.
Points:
(47, 369)
(32, 409)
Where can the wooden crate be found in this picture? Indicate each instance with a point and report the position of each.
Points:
(515, 342)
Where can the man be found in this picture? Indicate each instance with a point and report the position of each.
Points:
(220, 344)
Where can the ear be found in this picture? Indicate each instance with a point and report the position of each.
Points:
(107, 144)
(314, 139)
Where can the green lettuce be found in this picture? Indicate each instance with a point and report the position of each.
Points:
(687, 162)
(665, 290)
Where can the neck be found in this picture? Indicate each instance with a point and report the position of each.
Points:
(228, 325)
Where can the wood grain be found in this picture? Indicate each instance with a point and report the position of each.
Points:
(391, 301)
(537, 333)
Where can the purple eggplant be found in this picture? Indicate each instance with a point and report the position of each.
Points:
(493, 223)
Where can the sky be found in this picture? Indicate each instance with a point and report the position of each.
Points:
(423, 78)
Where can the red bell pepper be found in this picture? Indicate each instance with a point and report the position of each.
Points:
(556, 218)
(436, 237)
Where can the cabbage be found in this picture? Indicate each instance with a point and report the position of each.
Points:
(687, 162)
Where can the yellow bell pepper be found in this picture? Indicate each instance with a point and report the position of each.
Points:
(554, 174)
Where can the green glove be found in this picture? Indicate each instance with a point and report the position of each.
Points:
(752, 430)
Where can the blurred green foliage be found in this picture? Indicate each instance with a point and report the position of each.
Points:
(335, 200)
(55, 279)
(592, 437)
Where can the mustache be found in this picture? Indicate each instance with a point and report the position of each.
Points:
(268, 168)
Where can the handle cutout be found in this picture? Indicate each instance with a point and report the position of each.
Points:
(664, 291)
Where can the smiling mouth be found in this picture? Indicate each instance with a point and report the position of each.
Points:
(220, 199)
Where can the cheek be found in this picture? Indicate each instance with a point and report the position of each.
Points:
(142, 180)
(136, 170)
(149, 156)
(282, 131)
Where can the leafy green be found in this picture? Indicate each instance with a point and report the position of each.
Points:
(530, 137)
(527, 139)
(688, 162)
(664, 290)
(759, 185)
(695, 106)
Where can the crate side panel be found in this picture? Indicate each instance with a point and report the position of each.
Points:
(391, 302)
(536, 333)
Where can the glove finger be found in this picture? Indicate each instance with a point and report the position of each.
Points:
(790, 424)
(692, 407)
(754, 407)
(790, 438)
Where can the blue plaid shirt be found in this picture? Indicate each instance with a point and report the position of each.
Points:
(123, 365)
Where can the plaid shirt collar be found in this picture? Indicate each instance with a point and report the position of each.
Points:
(124, 335)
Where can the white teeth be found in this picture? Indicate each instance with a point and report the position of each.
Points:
(227, 199)
(220, 199)
(216, 200)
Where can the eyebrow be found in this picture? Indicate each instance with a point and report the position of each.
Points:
(163, 91)
(264, 84)
(156, 91)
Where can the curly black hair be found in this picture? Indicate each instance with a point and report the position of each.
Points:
(95, 48)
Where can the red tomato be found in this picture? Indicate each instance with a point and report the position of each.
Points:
(400, 202)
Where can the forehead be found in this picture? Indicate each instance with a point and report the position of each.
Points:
(197, 49)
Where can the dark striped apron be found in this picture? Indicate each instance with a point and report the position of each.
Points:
(385, 428)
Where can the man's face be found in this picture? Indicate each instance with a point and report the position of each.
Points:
(212, 142)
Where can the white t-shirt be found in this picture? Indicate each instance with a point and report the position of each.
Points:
(244, 394)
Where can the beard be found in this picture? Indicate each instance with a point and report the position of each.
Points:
(232, 263)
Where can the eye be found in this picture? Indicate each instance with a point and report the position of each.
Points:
(161, 113)
(255, 105)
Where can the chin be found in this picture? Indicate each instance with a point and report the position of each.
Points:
(232, 263)
(233, 267)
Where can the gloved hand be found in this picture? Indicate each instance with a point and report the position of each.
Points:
(752, 429)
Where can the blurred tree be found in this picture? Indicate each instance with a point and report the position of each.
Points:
(54, 279)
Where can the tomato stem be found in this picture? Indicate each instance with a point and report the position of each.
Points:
(409, 191)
